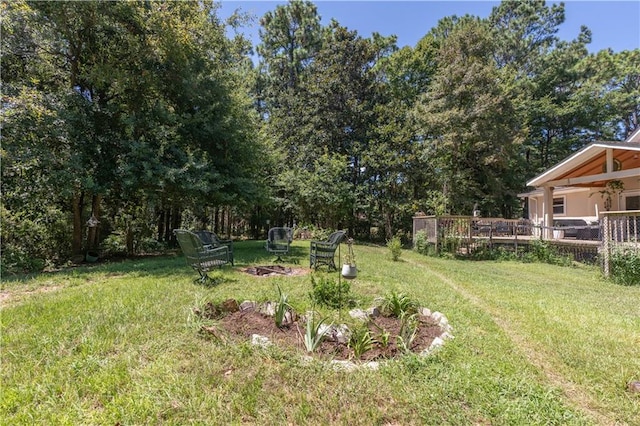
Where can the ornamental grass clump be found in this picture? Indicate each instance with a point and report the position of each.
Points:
(397, 304)
(313, 335)
(282, 307)
(360, 341)
(408, 331)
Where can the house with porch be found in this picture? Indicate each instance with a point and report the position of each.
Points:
(601, 177)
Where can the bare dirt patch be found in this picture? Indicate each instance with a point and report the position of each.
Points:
(12, 296)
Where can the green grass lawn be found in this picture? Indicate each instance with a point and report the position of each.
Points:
(118, 344)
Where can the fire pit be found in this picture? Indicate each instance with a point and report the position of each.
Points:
(274, 270)
(268, 270)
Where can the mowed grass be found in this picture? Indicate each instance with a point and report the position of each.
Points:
(118, 344)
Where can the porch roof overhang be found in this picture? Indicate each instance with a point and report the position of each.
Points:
(587, 167)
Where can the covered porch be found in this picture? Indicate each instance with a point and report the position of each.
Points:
(599, 178)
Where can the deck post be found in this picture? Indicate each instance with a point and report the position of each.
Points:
(606, 244)
(547, 205)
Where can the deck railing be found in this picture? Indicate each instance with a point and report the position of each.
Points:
(621, 232)
(463, 234)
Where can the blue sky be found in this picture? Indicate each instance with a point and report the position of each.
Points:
(614, 24)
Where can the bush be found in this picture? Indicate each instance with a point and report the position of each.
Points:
(31, 241)
(395, 248)
(625, 266)
(541, 251)
(328, 292)
(422, 245)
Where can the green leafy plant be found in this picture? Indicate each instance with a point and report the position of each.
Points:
(422, 245)
(542, 251)
(360, 341)
(395, 248)
(383, 337)
(408, 331)
(282, 307)
(611, 189)
(312, 336)
(625, 266)
(397, 304)
(331, 293)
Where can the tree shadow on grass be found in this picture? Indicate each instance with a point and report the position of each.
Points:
(246, 253)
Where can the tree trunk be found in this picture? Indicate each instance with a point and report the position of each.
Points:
(93, 232)
(176, 220)
(168, 235)
(160, 226)
(77, 206)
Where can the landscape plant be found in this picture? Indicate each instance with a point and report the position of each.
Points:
(408, 330)
(398, 304)
(332, 293)
(421, 244)
(282, 308)
(625, 266)
(542, 251)
(395, 248)
(313, 334)
(360, 341)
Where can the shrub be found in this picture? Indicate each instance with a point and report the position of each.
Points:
(395, 248)
(625, 266)
(331, 293)
(541, 251)
(30, 241)
(422, 244)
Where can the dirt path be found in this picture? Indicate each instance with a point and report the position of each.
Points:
(573, 395)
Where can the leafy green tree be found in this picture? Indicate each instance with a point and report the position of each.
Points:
(610, 92)
(468, 123)
(144, 101)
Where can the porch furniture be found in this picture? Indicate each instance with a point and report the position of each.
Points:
(199, 257)
(211, 240)
(323, 252)
(278, 242)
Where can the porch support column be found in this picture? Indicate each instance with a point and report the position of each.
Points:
(547, 207)
(609, 160)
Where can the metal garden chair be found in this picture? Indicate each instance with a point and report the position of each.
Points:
(323, 252)
(202, 259)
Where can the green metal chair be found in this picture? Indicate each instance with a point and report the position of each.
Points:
(210, 240)
(323, 252)
(202, 259)
(278, 242)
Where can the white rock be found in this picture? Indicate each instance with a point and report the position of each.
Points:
(446, 335)
(359, 314)
(261, 341)
(437, 343)
(248, 305)
(268, 308)
(437, 316)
